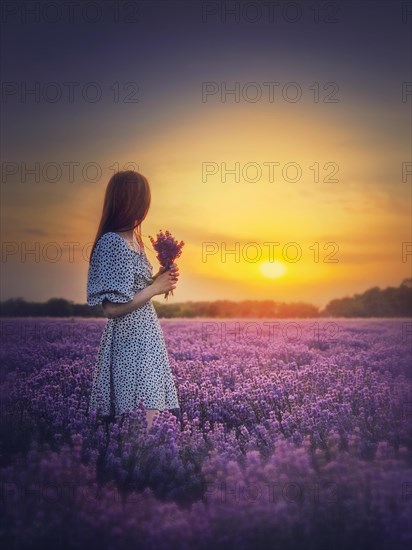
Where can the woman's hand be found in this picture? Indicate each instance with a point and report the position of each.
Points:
(165, 281)
(174, 270)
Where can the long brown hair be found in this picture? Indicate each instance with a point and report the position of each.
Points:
(126, 203)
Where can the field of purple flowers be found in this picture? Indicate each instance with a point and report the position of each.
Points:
(292, 434)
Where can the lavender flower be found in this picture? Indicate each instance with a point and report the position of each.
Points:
(299, 443)
(168, 249)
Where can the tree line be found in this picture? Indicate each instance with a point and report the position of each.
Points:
(375, 302)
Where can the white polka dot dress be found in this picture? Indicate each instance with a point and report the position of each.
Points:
(132, 362)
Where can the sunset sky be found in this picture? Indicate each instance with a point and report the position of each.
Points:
(169, 50)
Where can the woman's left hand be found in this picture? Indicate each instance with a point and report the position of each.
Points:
(174, 271)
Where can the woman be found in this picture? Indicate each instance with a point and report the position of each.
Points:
(132, 362)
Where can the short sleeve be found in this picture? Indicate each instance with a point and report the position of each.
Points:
(111, 274)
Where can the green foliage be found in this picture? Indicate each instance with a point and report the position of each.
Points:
(389, 302)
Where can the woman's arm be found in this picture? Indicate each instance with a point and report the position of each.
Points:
(112, 310)
(164, 282)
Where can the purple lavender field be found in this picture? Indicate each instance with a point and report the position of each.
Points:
(292, 434)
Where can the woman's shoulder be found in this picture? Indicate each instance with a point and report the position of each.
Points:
(107, 244)
(108, 238)
(108, 235)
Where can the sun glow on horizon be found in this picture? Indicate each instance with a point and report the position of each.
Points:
(273, 270)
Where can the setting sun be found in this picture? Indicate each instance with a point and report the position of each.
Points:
(273, 270)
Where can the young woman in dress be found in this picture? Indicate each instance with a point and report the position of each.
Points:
(132, 361)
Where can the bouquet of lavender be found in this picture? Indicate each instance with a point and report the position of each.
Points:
(168, 249)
